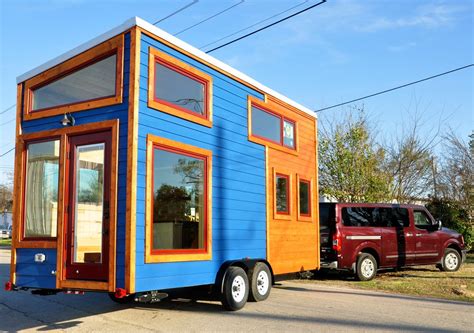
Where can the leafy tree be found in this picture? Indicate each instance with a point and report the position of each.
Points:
(351, 163)
(453, 216)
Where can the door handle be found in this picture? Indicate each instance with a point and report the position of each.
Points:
(419, 235)
(408, 234)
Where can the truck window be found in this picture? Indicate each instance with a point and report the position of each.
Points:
(391, 217)
(422, 221)
(357, 217)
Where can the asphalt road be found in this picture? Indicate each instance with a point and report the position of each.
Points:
(292, 306)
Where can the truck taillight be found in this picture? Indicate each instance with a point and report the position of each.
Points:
(336, 241)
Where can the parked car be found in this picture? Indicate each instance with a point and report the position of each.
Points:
(365, 237)
(6, 232)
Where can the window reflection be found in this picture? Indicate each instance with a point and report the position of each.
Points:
(266, 125)
(41, 192)
(176, 88)
(282, 194)
(178, 207)
(91, 82)
(304, 198)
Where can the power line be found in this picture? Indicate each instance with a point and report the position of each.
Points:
(395, 88)
(210, 17)
(267, 26)
(8, 108)
(255, 24)
(192, 3)
(7, 152)
(7, 122)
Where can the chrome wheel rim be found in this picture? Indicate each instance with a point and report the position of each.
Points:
(367, 268)
(263, 282)
(238, 289)
(451, 261)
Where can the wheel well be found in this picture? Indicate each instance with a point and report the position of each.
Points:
(456, 247)
(373, 252)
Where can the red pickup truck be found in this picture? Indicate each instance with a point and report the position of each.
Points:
(365, 237)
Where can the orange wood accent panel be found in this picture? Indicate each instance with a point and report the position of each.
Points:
(155, 258)
(132, 148)
(83, 285)
(115, 44)
(169, 108)
(293, 243)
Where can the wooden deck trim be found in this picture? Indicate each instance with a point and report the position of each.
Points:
(132, 149)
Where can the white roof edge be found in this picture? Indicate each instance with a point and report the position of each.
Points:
(136, 21)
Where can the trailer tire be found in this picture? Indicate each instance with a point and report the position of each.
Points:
(260, 282)
(124, 300)
(366, 268)
(235, 289)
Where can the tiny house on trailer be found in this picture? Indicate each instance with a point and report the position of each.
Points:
(143, 165)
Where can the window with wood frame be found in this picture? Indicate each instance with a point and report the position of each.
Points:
(179, 221)
(179, 89)
(89, 80)
(282, 194)
(304, 199)
(41, 189)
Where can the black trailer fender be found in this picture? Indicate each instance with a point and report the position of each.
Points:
(245, 264)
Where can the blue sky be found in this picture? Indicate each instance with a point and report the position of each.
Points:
(341, 50)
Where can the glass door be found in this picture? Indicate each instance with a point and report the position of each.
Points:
(87, 231)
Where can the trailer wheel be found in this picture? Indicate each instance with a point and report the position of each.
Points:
(124, 300)
(235, 289)
(260, 282)
(366, 267)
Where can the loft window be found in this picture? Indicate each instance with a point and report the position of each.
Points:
(282, 194)
(273, 127)
(41, 189)
(179, 213)
(89, 80)
(304, 198)
(89, 83)
(179, 89)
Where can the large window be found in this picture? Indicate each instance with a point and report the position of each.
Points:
(91, 82)
(179, 212)
(179, 89)
(375, 217)
(41, 189)
(273, 127)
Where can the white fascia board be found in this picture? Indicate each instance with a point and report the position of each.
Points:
(136, 21)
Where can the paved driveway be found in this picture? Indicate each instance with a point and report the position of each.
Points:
(292, 306)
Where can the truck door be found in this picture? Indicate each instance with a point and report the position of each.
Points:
(426, 238)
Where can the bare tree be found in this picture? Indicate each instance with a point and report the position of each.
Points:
(410, 162)
(456, 176)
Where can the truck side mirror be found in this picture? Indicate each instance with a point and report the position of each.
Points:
(440, 224)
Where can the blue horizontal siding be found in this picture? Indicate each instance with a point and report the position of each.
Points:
(32, 274)
(238, 178)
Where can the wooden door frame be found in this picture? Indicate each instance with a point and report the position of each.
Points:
(90, 269)
(64, 133)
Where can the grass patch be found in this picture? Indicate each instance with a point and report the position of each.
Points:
(418, 281)
(5, 242)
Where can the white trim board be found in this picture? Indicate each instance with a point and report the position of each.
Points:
(136, 21)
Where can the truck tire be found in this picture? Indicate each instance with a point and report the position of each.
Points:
(235, 289)
(366, 267)
(451, 261)
(260, 282)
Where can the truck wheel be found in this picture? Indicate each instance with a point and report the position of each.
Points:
(235, 289)
(260, 282)
(366, 267)
(451, 261)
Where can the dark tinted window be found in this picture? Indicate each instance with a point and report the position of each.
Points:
(176, 88)
(91, 82)
(375, 217)
(282, 186)
(305, 205)
(422, 221)
(178, 207)
(266, 125)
